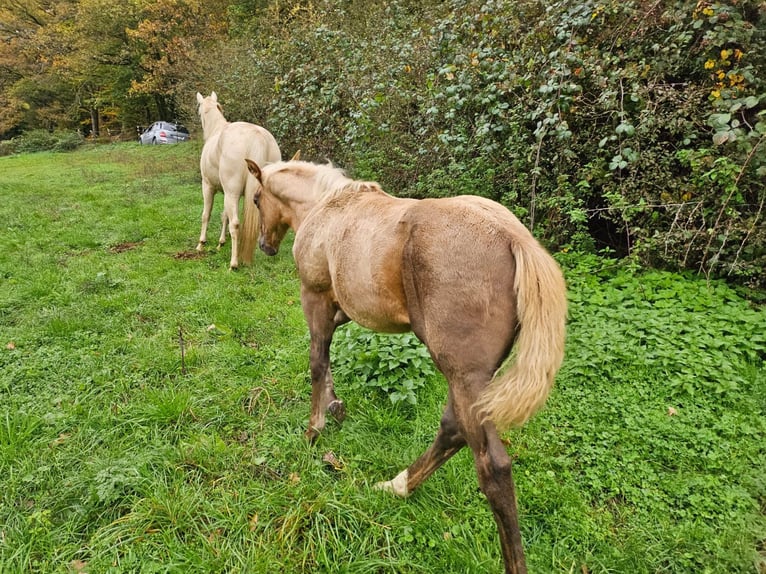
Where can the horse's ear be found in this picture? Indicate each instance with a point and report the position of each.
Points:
(213, 96)
(253, 168)
(199, 98)
(297, 156)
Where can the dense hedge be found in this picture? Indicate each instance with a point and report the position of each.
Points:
(632, 125)
(41, 140)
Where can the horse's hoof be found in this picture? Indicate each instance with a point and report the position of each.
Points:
(337, 410)
(311, 434)
(396, 486)
(200, 247)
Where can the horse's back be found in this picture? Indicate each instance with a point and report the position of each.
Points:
(223, 155)
(464, 232)
(242, 139)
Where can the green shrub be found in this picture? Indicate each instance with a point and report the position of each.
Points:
(44, 140)
(396, 365)
(632, 127)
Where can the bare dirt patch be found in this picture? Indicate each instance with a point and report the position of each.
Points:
(185, 255)
(126, 246)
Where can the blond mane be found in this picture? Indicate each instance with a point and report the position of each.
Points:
(328, 180)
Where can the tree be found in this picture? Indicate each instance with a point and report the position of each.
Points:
(167, 37)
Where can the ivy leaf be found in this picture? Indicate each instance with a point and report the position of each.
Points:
(625, 128)
(720, 137)
(719, 120)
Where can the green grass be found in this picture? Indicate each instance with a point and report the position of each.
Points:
(117, 457)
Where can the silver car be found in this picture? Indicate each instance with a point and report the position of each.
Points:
(164, 133)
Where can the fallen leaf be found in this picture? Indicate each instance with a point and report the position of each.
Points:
(295, 477)
(61, 439)
(253, 522)
(10, 346)
(672, 412)
(78, 565)
(333, 461)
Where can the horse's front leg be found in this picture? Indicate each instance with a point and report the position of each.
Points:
(208, 194)
(322, 316)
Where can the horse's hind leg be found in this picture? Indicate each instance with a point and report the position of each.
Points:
(224, 227)
(493, 467)
(460, 426)
(448, 441)
(208, 194)
(323, 317)
(231, 211)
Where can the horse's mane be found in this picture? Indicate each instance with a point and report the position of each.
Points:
(328, 181)
(331, 181)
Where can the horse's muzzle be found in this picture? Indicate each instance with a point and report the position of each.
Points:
(266, 248)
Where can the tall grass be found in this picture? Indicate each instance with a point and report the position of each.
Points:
(120, 454)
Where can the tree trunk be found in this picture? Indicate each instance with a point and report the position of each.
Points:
(95, 127)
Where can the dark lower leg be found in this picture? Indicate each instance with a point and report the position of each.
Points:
(320, 314)
(447, 442)
(493, 467)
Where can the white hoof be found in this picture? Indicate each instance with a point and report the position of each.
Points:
(397, 486)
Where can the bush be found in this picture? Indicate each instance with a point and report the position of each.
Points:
(43, 140)
(622, 125)
(395, 365)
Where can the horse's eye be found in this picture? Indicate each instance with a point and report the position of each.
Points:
(257, 200)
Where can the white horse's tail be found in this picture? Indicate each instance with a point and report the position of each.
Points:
(522, 384)
(249, 227)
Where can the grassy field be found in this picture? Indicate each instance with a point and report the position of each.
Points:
(118, 454)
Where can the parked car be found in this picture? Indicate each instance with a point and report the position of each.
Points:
(164, 133)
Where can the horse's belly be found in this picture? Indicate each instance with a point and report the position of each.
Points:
(380, 318)
(374, 303)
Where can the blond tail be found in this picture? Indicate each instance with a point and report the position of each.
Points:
(249, 228)
(522, 384)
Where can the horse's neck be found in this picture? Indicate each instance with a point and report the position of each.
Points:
(301, 199)
(214, 123)
(300, 204)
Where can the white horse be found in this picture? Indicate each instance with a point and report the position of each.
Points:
(222, 165)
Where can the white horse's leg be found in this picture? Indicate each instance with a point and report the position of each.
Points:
(208, 193)
(231, 210)
(224, 225)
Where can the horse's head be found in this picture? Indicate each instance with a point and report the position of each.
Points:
(274, 215)
(205, 105)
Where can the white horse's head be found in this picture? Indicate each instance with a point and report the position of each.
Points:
(210, 113)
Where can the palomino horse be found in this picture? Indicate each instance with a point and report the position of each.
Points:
(223, 167)
(463, 273)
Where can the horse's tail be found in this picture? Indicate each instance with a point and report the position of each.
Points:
(249, 227)
(522, 384)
